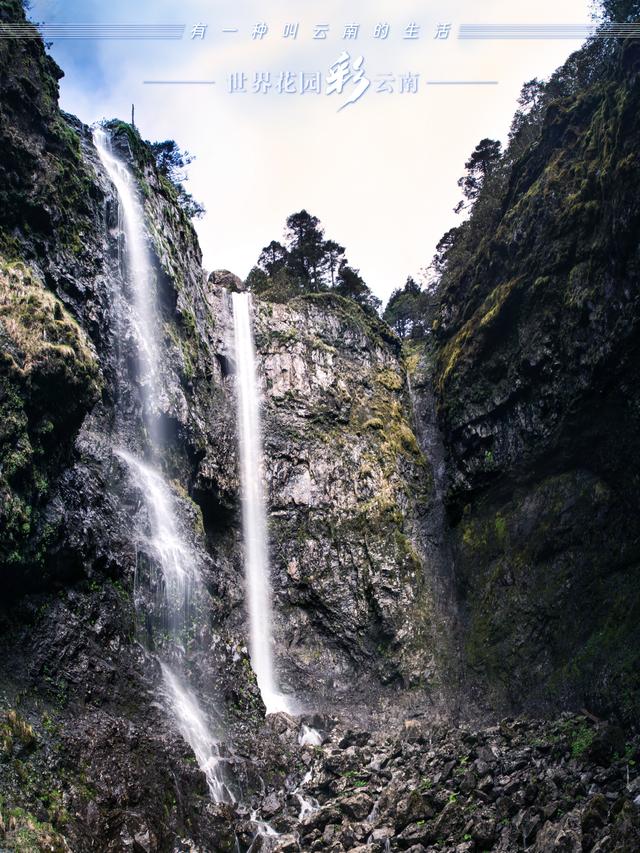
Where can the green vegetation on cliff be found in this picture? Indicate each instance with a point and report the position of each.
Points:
(536, 349)
(48, 381)
(46, 189)
(307, 263)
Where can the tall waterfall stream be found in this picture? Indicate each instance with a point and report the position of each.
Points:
(174, 575)
(254, 521)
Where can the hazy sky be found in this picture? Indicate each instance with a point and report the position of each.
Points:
(380, 174)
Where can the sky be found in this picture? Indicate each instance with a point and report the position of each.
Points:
(380, 173)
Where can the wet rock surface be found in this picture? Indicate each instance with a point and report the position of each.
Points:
(566, 784)
(570, 783)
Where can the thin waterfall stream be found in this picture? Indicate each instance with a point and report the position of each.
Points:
(254, 517)
(170, 578)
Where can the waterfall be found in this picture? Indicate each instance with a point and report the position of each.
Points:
(136, 270)
(174, 572)
(309, 736)
(254, 520)
(308, 805)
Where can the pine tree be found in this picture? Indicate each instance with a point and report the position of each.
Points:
(479, 166)
(404, 311)
(171, 162)
(334, 255)
(351, 284)
(273, 258)
(305, 243)
(308, 263)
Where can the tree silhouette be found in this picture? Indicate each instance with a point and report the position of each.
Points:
(307, 263)
(273, 258)
(171, 163)
(334, 255)
(405, 310)
(479, 166)
(305, 244)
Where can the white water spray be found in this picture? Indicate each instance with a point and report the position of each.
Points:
(309, 736)
(308, 805)
(254, 521)
(137, 271)
(195, 730)
(179, 586)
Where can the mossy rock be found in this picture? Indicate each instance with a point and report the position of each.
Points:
(49, 379)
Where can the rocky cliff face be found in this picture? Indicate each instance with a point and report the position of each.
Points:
(348, 484)
(348, 488)
(537, 354)
(87, 753)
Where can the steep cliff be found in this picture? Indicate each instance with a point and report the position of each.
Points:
(537, 361)
(88, 754)
(348, 484)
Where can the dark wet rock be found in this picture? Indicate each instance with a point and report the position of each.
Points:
(356, 806)
(270, 805)
(285, 844)
(608, 740)
(226, 280)
(351, 589)
(540, 794)
(326, 815)
(354, 739)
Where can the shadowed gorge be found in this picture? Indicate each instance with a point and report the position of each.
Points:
(280, 575)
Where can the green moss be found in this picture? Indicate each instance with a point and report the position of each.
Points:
(390, 379)
(15, 731)
(186, 340)
(583, 737)
(474, 536)
(196, 512)
(169, 189)
(68, 137)
(140, 150)
(468, 342)
(282, 337)
(48, 380)
(368, 323)
(45, 186)
(383, 414)
(36, 327)
(373, 423)
(26, 834)
(501, 529)
(413, 353)
(518, 568)
(407, 549)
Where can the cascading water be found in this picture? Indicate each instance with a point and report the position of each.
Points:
(135, 267)
(254, 521)
(308, 805)
(179, 586)
(174, 573)
(309, 736)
